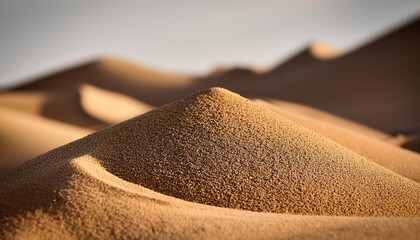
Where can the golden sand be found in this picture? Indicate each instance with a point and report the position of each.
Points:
(215, 165)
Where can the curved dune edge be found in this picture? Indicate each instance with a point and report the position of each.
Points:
(89, 202)
(62, 106)
(108, 106)
(401, 161)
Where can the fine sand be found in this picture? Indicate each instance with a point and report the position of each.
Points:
(323, 146)
(86, 201)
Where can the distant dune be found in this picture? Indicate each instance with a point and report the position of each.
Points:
(376, 84)
(118, 75)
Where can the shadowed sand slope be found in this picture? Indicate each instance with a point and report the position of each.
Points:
(413, 144)
(59, 106)
(220, 149)
(24, 136)
(313, 113)
(401, 161)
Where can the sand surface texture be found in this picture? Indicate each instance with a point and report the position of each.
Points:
(323, 146)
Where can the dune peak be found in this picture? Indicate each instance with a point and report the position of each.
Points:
(323, 50)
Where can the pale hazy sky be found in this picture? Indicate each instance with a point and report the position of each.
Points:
(37, 37)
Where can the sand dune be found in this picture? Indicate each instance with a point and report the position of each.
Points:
(325, 150)
(216, 129)
(282, 168)
(121, 76)
(67, 89)
(34, 122)
(97, 108)
(88, 107)
(401, 161)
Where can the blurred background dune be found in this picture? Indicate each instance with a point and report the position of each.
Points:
(184, 36)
